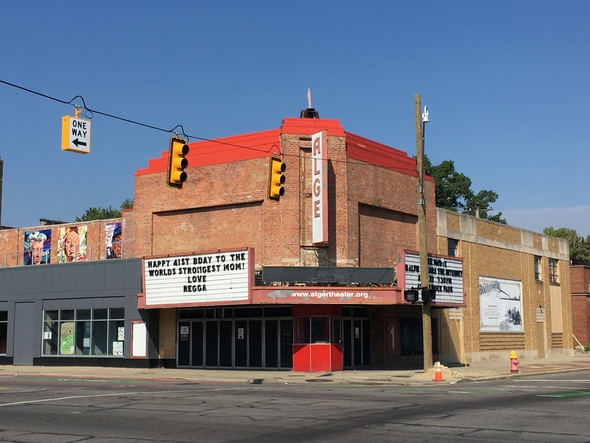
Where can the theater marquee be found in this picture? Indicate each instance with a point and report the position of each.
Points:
(445, 275)
(190, 280)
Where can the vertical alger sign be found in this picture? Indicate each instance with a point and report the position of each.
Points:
(319, 187)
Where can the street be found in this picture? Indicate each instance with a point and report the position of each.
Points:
(544, 408)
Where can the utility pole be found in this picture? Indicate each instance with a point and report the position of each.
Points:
(423, 231)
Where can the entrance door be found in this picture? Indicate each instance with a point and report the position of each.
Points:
(355, 337)
(197, 344)
(286, 330)
(243, 343)
(184, 343)
(271, 344)
(255, 343)
(211, 343)
(24, 321)
(225, 344)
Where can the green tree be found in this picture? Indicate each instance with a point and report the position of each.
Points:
(127, 204)
(453, 192)
(104, 213)
(579, 246)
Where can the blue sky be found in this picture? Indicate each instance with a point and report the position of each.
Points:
(506, 84)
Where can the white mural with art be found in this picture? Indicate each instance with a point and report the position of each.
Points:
(500, 304)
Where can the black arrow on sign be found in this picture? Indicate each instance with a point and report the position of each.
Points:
(78, 143)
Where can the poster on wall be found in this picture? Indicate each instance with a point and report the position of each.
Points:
(500, 304)
(37, 247)
(66, 338)
(114, 240)
(71, 246)
(117, 348)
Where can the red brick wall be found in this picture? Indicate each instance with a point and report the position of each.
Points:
(581, 318)
(225, 206)
(580, 279)
(12, 241)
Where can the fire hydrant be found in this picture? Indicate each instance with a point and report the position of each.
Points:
(513, 362)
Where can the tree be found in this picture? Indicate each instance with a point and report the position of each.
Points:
(579, 247)
(104, 213)
(453, 192)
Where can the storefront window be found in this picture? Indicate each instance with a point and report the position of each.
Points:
(84, 332)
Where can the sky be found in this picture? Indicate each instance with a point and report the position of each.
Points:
(505, 82)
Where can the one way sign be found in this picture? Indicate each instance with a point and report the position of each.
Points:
(75, 134)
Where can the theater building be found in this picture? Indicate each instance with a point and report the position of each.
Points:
(220, 274)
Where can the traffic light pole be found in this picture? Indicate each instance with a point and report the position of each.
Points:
(422, 231)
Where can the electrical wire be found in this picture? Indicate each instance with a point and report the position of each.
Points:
(94, 111)
(173, 130)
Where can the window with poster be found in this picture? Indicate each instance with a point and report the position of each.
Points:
(84, 332)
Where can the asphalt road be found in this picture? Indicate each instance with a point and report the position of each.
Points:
(547, 408)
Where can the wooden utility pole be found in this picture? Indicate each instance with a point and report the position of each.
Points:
(422, 231)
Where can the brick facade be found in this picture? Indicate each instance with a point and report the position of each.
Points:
(12, 241)
(497, 251)
(580, 276)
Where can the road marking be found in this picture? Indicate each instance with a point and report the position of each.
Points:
(71, 397)
(477, 391)
(565, 394)
(555, 381)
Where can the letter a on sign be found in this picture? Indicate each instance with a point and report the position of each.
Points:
(319, 187)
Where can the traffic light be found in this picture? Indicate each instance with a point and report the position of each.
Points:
(428, 295)
(276, 178)
(411, 295)
(177, 162)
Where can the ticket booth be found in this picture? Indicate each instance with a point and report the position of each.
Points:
(314, 347)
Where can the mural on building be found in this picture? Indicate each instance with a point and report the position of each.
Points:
(114, 240)
(37, 247)
(500, 305)
(71, 246)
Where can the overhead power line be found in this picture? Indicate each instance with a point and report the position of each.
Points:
(172, 131)
(94, 111)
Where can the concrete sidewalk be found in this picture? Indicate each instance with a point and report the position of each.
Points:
(454, 374)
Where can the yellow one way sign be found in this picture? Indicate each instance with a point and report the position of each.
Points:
(75, 134)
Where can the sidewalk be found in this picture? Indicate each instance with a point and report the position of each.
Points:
(454, 374)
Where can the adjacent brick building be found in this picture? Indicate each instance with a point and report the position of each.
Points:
(580, 276)
(517, 286)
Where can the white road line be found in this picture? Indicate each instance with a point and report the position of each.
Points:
(44, 400)
(555, 381)
(70, 397)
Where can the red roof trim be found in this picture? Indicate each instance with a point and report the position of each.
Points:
(223, 150)
(370, 151)
(266, 143)
(309, 126)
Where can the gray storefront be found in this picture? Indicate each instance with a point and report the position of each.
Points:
(76, 314)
